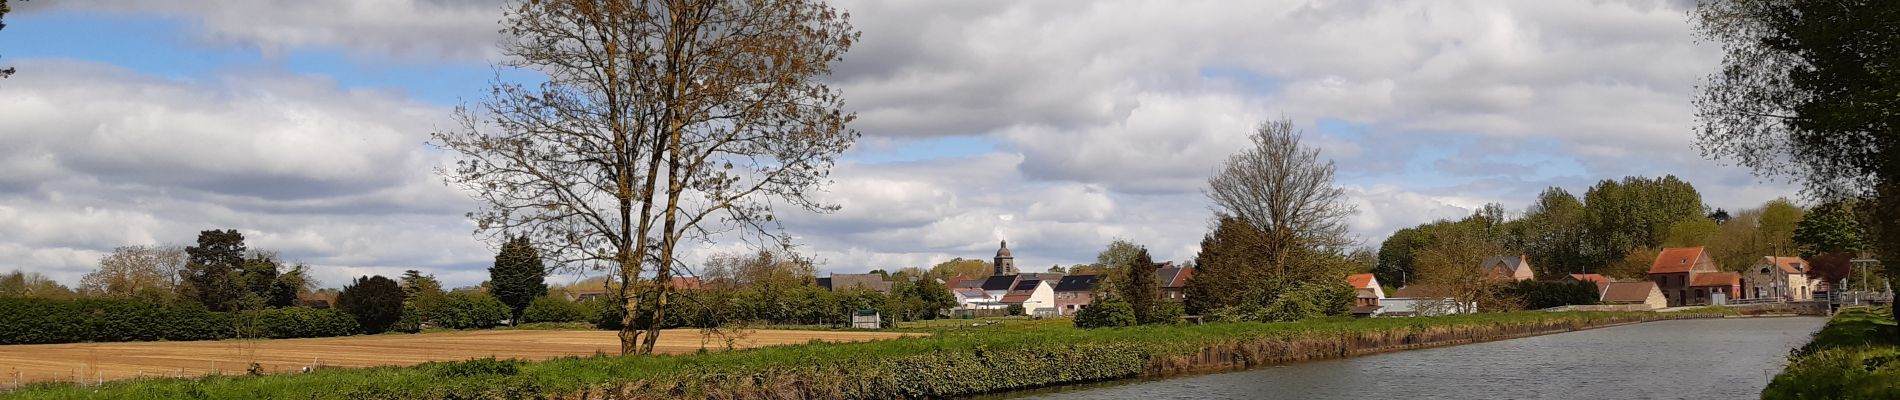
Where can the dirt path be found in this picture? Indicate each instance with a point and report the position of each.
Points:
(111, 361)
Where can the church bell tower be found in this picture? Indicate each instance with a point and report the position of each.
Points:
(1005, 264)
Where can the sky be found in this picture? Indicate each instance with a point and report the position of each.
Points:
(1057, 125)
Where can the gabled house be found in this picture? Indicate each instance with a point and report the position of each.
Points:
(1367, 290)
(1074, 293)
(999, 285)
(1508, 268)
(1779, 278)
(1036, 296)
(1675, 267)
(1173, 281)
(1644, 293)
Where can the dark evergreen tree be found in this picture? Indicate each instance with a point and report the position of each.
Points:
(211, 270)
(518, 276)
(1227, 270)
(375, 301)
(1138, 287)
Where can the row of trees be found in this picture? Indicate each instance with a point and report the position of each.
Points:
(219, 273)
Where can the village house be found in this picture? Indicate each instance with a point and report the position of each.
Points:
(1036, 297)
(1779, 279)
(1074, 293)
(1508, 268)
(1366, 288)
(1173, 281)
(1367, 294)
(1642, 293)
(1674, 271)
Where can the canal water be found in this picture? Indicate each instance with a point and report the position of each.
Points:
(1683, 359)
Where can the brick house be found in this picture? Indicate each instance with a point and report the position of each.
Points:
(1074, 293)
(1173, 281)
(1674, 269)
(1782, 278)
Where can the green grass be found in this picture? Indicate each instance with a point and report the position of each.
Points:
(1855, 356)
(946, 363)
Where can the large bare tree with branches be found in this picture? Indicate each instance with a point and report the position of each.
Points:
(1285, 190)
(660, 123)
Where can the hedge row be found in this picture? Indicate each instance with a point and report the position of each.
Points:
(37, 321)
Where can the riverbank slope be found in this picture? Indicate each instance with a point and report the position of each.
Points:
(1856, 356)
(952, 363)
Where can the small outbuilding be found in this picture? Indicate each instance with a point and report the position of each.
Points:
(1642, 293)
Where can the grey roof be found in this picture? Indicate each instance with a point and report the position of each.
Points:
(971, 283)
(1027, 284)
(1512, 262)
(1045, 276)
(999, 282)
(1165, 276)
(1077, 283)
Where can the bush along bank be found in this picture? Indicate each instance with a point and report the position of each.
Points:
(948, 364)
(41, 321)
(1855, 356)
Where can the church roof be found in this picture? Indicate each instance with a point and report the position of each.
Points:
(1003, 252)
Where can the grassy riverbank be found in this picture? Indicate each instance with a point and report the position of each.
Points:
(1856, 356)
(956, 360)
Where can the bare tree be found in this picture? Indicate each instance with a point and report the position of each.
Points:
(1285, 190)
(661, 122)
(1453, 266)
(133, 270)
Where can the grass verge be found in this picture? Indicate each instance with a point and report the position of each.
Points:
(1855, 356)
(957, 360)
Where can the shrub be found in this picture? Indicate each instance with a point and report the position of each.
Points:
(1167, 313)
(1106, 315)
(549, 309)
(298, 322)
(461, 310)
(375, 301)
(608, 314)
(1015, 309)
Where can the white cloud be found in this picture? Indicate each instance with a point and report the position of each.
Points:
(1107, 118)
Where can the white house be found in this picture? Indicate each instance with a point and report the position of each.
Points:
(1035, 295)
(976, 299)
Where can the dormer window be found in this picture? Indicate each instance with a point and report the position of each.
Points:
(1684, 261)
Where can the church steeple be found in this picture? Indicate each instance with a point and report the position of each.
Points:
(1005, 264)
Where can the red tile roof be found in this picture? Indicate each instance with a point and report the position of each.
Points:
(1674, 260)
(1359, 281)
(686, 283)
(1716, 279)
(1598, 279)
